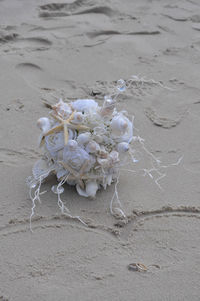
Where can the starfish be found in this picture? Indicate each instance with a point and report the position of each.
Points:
(74, 174)
(64, 124)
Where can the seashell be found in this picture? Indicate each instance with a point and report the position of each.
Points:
(114, 157)
(61, 173)
(91, 188)
(92, 147)
(44, 124)
(55, 142)
(98, 138)
(62, 109)
(83, 138)
(40, 168)
(74, 155)
(122, 147)
(78, 118)
(119, 125)
(72, 145)
(91, 163)
(122, 128)
(108, 106)
(84, 105)
(107, 181)
(103, 162)
(102, 152)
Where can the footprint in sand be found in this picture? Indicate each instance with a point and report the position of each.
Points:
(165, 244)
(30, 72)
(12, 157)
(78, 7)
(33, 43)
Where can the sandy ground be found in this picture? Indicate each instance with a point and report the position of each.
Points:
(75, 50)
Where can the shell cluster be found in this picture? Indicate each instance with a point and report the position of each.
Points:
(83, 144)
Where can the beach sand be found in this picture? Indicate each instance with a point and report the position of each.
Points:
(77, 50)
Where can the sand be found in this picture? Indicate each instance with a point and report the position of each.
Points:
(76, 50)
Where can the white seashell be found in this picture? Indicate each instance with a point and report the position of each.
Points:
(40, 168)
(54, 143)
(62, 109)
(103, 162)
(122, 128)
(91, 163)
(91, 188)
(108, 106)
(74, 155)
(107, 181)
(102, 152)
(72, 145)
(98, 138)
(44, 124)
(83, 138)
(78, 118)
(61, 173)
(92, 147)
(114, 157)
(84, 105)
(122, 147)
(119, 125)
